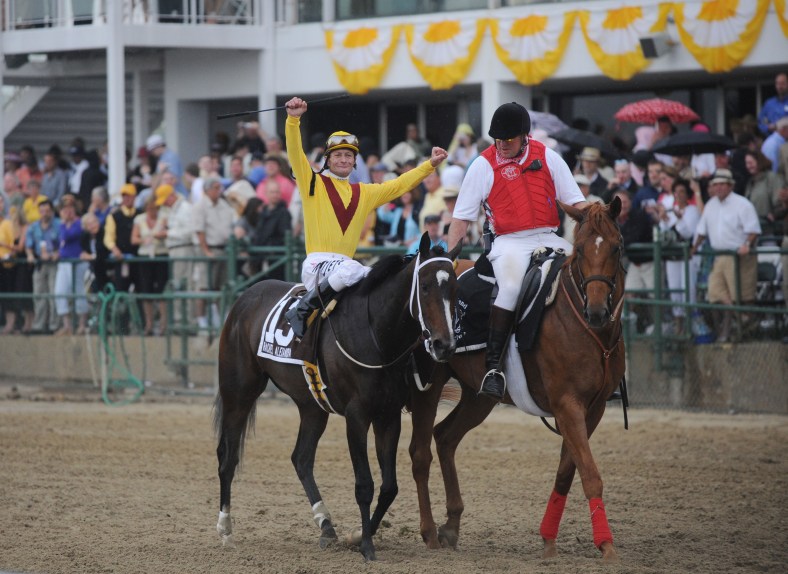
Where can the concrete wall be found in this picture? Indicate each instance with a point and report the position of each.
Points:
(748, 377)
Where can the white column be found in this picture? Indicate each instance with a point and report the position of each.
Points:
(496, 93)
(116, 99)
(141, 119)
(266, 71)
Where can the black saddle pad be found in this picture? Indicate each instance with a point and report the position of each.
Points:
(476, 288)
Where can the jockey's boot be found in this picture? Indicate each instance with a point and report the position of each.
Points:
(298, 316)
(501, 323)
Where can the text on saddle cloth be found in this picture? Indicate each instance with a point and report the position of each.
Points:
(278, 343)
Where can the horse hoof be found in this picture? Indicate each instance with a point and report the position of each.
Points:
(369, 554)
(228, 541)
(328, 537)
(550, 549)
(448, 538)
(354, 537)
(609, 553)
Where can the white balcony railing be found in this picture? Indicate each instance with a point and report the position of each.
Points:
(25, 14)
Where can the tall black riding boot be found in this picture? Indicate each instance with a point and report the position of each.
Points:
(298, 316)
(501, 323)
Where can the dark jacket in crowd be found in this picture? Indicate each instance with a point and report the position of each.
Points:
(94, 244)
(273, 225)
(92, 177)
(638, 228)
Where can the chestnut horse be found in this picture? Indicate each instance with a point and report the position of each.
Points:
(363, 352)
(575, 364)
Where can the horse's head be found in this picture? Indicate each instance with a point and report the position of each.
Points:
(432, 297)
(595, 264)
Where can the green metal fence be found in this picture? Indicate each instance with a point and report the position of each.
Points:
(116, 315)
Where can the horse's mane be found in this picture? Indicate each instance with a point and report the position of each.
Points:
(384, 268)
(388, 266)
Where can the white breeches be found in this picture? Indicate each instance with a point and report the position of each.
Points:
(510, 256)
(341, 271)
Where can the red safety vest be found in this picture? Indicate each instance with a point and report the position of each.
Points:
(522, 196)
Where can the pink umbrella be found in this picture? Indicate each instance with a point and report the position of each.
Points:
(647, 112)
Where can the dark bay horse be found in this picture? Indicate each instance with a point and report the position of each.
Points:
(575, 364)
(362, 351)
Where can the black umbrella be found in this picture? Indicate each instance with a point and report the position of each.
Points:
(578, 139)
(691, 143)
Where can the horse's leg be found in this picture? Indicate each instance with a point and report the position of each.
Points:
(313, 424)
(468, 414)
(357, 428)
(424, 408)
(235, 405)
(555, 506)
(576, 427)
(387, 432)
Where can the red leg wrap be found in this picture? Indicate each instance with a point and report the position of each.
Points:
(552, 516)
(599, 522)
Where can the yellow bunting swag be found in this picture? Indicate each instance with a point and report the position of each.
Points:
(532, 46)
(720, 33)
(613, 37)
(361, 56)
(443, 52)
(781, 8)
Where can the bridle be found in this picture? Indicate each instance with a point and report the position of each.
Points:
(582, 289)
(424, 336)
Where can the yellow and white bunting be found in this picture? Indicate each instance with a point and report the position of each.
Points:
(720, 33)
(781, 8)
(613, 36)
(361, 56)
(443, 52)
(532, 46)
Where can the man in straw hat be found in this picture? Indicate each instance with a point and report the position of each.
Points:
(335, 212)
(517, 180)
(731, 223)
(589, 166)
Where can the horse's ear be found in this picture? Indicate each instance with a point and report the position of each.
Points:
(424, 245)
(571, 211)
(454, 253)
(615, 207)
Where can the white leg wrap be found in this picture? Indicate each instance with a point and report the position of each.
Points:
(320, 513)
(225, 528)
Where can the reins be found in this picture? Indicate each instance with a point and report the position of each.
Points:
(423, 336)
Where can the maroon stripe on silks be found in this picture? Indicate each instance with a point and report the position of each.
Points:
(344, 214)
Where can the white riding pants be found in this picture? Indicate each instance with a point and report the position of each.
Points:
(340, 270)
(510, 256)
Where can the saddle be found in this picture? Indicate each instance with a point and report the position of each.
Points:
(477, 287)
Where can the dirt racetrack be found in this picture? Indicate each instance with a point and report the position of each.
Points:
(87, 488)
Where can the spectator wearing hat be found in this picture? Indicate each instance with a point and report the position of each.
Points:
(41, 246)
(166, 160)
(413, 148)
(118, 229)
(54, 182)
(433, 228)
(461, 149)
(775, 107)
(771, 145)
(731, 224)
(589, 166)
(275, 168)
(568, 223)
(180, 239)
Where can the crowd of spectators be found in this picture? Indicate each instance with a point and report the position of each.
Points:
(64, 235)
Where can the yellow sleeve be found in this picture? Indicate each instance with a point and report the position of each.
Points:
(109, 232)
(296, 156)
(382, 193)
